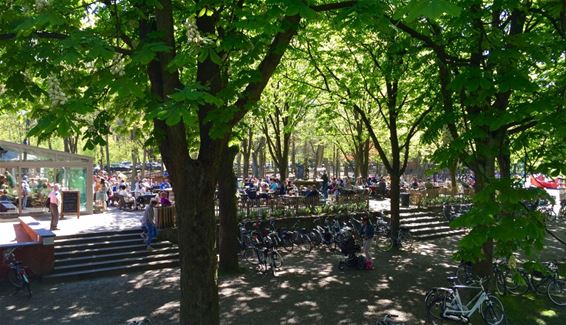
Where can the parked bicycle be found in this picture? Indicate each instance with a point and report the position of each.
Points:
(450, 306)
(541, 282)
(18, 275)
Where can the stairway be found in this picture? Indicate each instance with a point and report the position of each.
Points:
(83, 256)
(425, 224)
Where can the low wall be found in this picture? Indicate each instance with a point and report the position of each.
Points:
(37, 252)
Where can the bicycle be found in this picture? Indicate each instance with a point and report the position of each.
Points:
(270, 259)
(465, 275)
(388, 320)
(547, 282)
(18, 275)
(450, 306)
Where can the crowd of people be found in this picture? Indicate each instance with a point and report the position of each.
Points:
(109, 190)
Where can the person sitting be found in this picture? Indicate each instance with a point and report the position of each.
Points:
(313, 192)
(165, 184)
(126, 199)
(163, 200)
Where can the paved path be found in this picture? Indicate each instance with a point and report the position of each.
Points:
(308, 290)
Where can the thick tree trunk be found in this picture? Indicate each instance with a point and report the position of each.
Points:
(453, 167)
(394, 196)
(197, 234)
(228, 245)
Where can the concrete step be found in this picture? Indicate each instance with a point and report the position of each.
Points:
(421, 219)
(63, 242)
(108, 249)
(113, 270)
(93, 265)
(94, 257)
(428, 224)
(440, 234)
(99, 244)
(97, 234)
(429, 230)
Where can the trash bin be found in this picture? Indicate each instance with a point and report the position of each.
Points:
(404, 199)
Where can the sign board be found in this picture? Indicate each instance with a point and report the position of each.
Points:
(71, 203)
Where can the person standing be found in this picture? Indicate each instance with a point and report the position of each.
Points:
(325, 185)
(148, 224)
(367, 233)
(102, 194)
(54, 205)
(25, 192)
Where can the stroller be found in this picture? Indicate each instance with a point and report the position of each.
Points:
(349, 248)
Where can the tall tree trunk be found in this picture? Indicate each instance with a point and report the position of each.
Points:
(239, 172)
(107, 146)
(144, 163)
(228, 239)
(394, 197)
(247, 150)
(135, 159)
(306, 159)
(364, 169)
(262, 162)
(293, 156)
(284, 159)
(453, 167)
(102, 158)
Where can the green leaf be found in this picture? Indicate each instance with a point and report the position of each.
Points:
(431, 9)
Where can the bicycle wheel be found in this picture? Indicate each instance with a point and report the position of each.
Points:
(304, 243)
(500, 285)
(492, 311)
(383, 243)
(516, 284)
(464, 274)
(277, 259)
(435, 309)
(287, 244)
(406, 240)
(15, 279)
(549, 214)
(250, 255)
(26, 283)
(557, 292)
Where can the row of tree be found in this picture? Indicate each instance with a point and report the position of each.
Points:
(484, 80)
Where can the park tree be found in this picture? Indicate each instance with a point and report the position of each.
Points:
(378, 74)
(497, 74)
(182, 65)
(284, 107)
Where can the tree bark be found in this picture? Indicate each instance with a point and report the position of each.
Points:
(228, 240)
(247, 150)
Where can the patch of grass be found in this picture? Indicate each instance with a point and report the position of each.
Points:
(532, 309)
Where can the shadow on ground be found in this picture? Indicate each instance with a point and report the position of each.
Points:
(309, 289)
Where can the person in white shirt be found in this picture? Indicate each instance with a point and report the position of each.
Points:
(54, 206)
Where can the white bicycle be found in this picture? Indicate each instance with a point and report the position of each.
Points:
(446, 304)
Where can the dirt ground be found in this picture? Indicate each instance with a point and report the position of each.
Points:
(309, 289)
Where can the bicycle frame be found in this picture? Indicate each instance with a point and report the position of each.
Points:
(468, 309)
